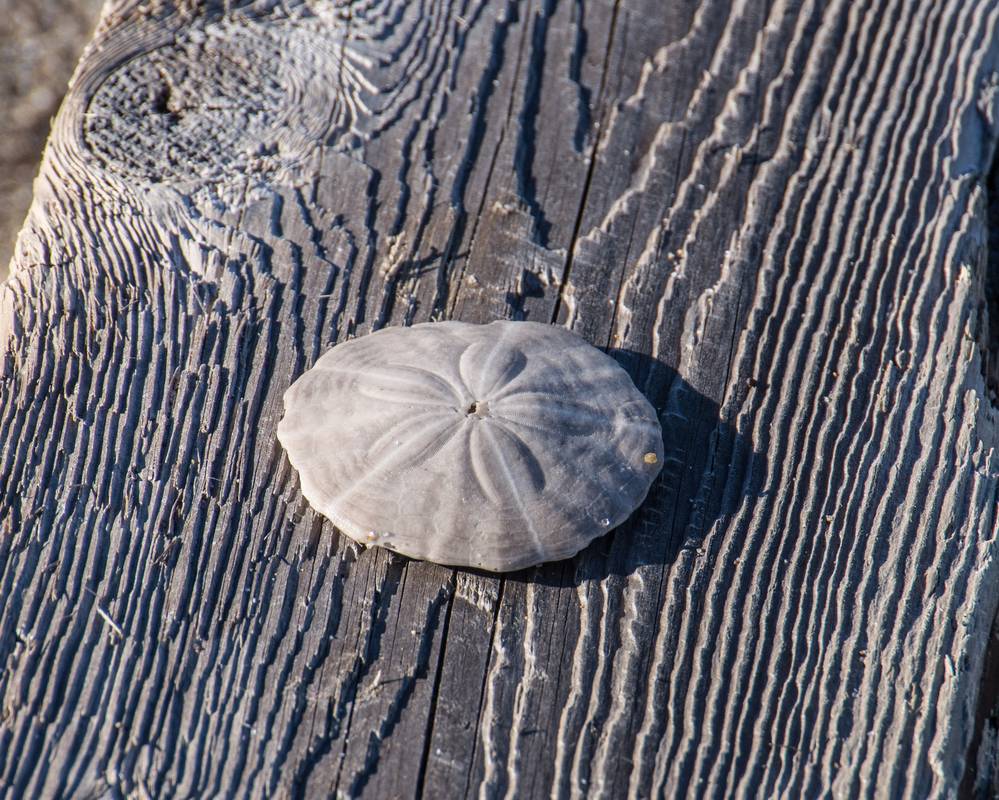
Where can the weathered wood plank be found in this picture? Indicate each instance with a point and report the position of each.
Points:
(772, 214)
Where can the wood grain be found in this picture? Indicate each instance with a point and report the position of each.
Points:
(772, 214)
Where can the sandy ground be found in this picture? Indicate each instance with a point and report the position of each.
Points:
(40, 43)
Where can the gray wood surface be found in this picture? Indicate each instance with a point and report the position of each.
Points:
(772, 213)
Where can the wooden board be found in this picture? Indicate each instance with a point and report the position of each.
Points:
(774, 216)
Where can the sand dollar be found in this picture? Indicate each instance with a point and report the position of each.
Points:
(496, 446)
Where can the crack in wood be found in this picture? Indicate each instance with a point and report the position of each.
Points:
(763, 211)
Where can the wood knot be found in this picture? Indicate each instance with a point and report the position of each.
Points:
(231, 99)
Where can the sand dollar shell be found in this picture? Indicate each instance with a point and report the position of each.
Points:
(496, 446)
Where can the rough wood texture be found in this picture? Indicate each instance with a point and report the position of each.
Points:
(773, 214)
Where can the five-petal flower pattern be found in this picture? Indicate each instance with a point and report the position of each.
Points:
(496, 446)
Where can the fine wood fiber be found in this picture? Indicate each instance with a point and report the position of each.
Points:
(772, 214)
